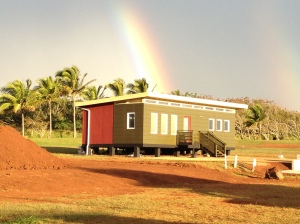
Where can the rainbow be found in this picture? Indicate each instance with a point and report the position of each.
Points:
(145, 56)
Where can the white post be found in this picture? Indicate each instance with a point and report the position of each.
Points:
(254, 164)
(235, 161)
(225, 161)
(88, 130)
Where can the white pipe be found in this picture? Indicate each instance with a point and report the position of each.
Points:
(254, 164)
(88, 131)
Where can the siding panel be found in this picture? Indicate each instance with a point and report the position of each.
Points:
(101, 124)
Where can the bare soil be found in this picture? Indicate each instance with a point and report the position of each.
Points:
(30, 173)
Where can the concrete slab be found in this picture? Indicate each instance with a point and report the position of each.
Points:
(294, 172)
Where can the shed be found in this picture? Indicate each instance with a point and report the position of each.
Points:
(159, 123)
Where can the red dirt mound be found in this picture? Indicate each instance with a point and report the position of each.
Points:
(17, 152)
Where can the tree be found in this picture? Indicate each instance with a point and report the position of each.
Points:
(187, 94)
(139, 86)
(71, 86)
(48, 91)
(16, 97)
(176, 93)
(117, 87)
(255, 117)
(91, 93)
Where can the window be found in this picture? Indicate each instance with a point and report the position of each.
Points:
(164, 124)
(131, 120)
(173, 124)
(154, 121)
(211, 124)
(219, 125)
(226, 125)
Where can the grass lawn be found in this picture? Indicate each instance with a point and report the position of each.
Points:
(257, 148)
(155, 206)
(59, 145)
(254, 148)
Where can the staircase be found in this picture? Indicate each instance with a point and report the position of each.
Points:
(205, 141)
(212, 144)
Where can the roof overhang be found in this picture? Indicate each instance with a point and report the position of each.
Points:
(160, 96)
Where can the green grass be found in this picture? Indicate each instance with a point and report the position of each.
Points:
(252, 148)
(257, 148)
(59, 145)
(163, 205)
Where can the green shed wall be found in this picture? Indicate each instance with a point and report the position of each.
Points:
(141, 135)
(122, 135)
(199, 122)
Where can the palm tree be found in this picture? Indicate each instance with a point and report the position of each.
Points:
(48, 91)
(16, 97)
(187, 94)
(139, 86)
(176, 93)
(72, 86)
(255, 117)
(117, 87)
(91, 93)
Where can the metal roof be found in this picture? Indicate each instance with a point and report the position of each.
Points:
(160, 96)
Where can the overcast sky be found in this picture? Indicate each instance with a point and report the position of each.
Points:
(226, 49)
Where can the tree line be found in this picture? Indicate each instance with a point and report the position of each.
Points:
(50, 105)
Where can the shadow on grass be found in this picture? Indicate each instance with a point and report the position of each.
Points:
(63, 150)
(268, 194)
(88, 218)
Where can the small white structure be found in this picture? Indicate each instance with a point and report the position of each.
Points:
(296, 164)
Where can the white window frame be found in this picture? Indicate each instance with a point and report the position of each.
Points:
(219, 125)
(164, 124)
(154, 123)
(129, 117)
(186, 123)
(213, 124)
(228, 126)
(174, 124)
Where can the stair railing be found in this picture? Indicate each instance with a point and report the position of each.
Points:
(212, 143)
(184, 137)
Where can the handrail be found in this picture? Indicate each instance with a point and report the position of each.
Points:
(184, 137)
(216, 139)
(212, 142)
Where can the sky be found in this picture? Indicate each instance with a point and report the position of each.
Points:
(225, 49)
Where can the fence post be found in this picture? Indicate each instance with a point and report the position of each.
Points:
(235, 161)
(254, 164)
(216, 150)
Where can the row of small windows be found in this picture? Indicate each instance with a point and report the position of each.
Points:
(164, 124)
(218, 125)
(154, 123)
(166, 103)
(213, 124)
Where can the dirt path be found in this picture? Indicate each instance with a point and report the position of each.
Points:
(111, 176)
